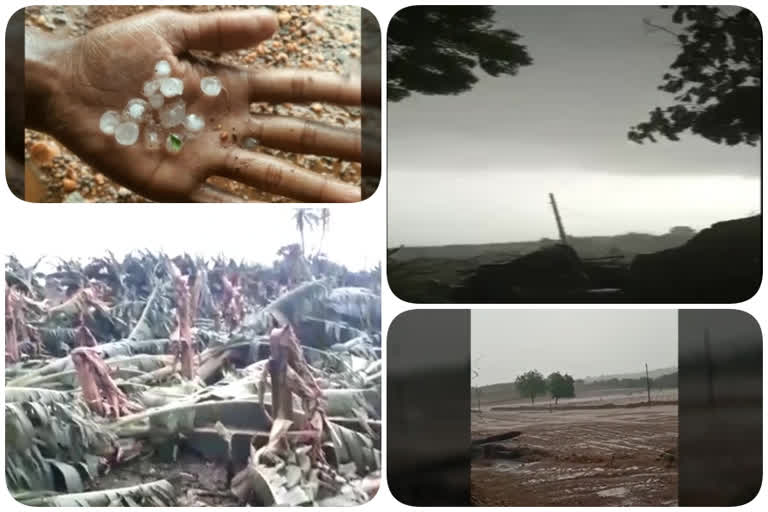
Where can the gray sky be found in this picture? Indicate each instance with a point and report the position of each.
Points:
(468, 168)
(253, 234)
(583, 343)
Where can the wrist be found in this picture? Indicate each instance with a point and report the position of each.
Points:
(46, 68)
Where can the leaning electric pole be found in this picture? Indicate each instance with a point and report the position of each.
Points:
(560, 229)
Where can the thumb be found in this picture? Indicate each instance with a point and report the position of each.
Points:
(220, 31)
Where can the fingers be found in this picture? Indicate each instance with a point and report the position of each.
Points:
(220, 31)
(209, 194)
(279, 176)
(299, 86)
(304, 136)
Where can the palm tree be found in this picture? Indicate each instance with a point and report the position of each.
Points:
(324, 216)
(305, 219)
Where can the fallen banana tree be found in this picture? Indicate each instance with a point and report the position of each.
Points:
(251, 385)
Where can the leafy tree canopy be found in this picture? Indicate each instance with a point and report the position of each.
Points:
(560, 386)
(716, 78)
(531, 384)
(436, 50)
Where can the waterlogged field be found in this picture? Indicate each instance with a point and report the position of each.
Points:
(613, 456)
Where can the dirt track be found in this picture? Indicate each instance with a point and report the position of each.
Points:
(580, 458)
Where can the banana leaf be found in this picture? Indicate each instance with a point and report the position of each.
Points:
(39, 395)
(292, 306)
(160, 493)
(351, 446)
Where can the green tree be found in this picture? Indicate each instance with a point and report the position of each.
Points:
(716, 78)
(531, 384)
(436, 50)
(560, 386)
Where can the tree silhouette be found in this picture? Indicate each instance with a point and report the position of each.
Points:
(304, 218)
(716, 79)
(435, 50)
(324, 219)
(560, 386)
(531, 384)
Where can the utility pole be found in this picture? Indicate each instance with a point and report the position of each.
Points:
(648, 383)
(560, 229)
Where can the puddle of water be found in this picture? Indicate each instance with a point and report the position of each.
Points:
(507, 466)
(616, 492)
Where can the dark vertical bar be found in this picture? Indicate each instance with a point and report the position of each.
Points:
(428, 408)
(709, 369)
(720, 407)
(14, 103)
(371, 102)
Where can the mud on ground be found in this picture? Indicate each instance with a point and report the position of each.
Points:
(322, 38)
(625, 457)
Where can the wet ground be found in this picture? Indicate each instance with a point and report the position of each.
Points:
(597, 457)
(323, 38)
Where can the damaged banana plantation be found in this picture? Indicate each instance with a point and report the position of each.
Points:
(152, 380)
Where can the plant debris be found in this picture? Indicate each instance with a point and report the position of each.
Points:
(250, 385)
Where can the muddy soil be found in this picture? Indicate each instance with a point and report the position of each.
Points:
(323, 38)
(623, 457)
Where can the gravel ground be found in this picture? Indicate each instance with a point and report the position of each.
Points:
(323, 38)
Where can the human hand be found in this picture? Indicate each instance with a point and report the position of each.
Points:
(70, 84)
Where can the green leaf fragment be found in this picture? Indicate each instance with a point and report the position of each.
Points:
(175, 142)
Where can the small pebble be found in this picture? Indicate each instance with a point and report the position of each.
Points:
(127, 133)
(74, 197)
(171, 87)
(162, 68)
(109, 121)
(210, 85)
(43, 153)
(316, 108)
(284, 17)
(68, 185)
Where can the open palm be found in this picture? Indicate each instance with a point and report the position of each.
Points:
(108, 66)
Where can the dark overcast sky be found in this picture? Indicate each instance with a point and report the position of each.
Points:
(560, 125)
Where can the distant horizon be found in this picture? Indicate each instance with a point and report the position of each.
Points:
(569, 235)
(592, 378)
